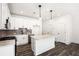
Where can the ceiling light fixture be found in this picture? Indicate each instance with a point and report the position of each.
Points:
(51, 14)
(39, 10)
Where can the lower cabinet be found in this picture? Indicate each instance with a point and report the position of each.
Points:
(7, 48)
(22, 39)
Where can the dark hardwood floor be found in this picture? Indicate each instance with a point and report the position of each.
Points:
(24, 50)
(61, 49)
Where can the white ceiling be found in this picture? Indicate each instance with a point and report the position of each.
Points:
(26, 9)
(32, 9)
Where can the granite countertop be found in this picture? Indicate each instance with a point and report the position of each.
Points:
(7, 38)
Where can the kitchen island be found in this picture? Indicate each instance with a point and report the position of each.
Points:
(42, 43)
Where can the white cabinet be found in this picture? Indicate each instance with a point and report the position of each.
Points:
(37, 28)
(61, 33)
(42, 43)
(27, 22)
(62, 29)
(21, 39)
(7, 48)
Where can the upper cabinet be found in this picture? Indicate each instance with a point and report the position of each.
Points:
(5, 14)
(35, 24)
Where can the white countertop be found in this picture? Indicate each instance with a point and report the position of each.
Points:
(42, 36)
(7, 42)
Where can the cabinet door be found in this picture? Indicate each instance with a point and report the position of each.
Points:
(19, 39)
(25, 39)
(60, 31)
(22, 39)
(61, 37)
(36, 30)
(7, 50)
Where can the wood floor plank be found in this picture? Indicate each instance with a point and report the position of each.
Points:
(61, 49)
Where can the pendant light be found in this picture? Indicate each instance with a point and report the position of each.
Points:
(51, 14)
(39, 10)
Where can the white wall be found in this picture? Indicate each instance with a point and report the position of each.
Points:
(0, 14)
(5, 14)
(61, 28)
(75, 27)
(25, 22)
(62, 10)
